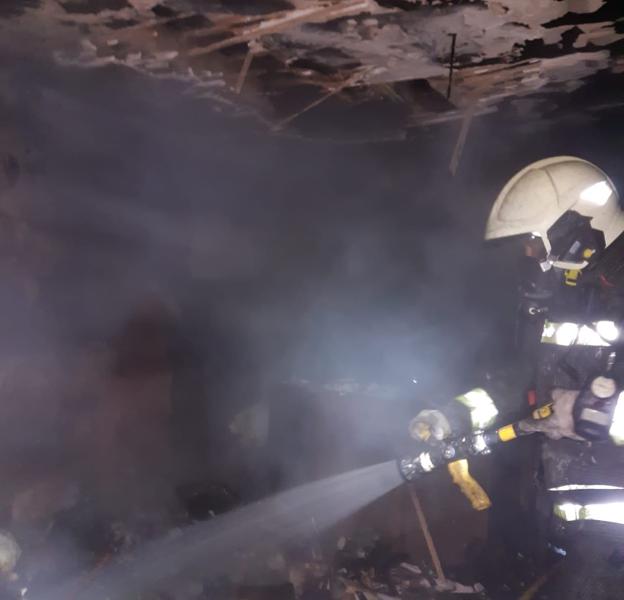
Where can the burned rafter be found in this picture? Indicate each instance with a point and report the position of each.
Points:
(317, 44)
(354, 80)
(283, 22)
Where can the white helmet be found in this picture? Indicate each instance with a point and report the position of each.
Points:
(541, 194)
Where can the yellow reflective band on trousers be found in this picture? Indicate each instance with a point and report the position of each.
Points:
(507, 433)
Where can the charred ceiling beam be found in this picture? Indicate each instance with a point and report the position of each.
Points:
(354, 80)
(503, 50)
(451, 65)
(228, 22)
(319, 14)
(240, 81)
(86, 7)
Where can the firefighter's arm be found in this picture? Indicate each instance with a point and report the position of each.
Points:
(560, 423)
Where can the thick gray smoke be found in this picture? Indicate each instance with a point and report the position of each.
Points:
(161, 238)
(165, 267)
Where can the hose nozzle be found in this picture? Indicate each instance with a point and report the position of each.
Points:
(411, 468)
(449, 450)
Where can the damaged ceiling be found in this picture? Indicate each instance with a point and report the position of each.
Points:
(292, 63)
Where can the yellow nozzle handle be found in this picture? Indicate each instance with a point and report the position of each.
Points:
(468, 485)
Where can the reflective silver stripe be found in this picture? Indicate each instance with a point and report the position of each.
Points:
(425, 461)
(483, 411)
(616, 431)
(610, 512)
(595, 416)
(574, 487)
(600, 333)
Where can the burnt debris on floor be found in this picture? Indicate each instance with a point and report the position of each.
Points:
(79, 531)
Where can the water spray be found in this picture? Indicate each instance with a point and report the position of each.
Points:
(215, 546)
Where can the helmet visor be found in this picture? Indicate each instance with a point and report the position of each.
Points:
(530, 245)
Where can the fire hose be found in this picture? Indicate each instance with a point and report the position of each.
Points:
(477, 443)
(595, 413)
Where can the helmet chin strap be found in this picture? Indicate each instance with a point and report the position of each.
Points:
(550, 261)
(548, 264)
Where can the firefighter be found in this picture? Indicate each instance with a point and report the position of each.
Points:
(567, 215)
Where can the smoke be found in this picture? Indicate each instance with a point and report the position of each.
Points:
(274, 259)
(349, 258)
(166, 266)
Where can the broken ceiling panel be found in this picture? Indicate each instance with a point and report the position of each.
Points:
(598, 34)
(279, 59)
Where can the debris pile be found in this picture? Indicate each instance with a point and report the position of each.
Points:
(62, 533)
(74, 545)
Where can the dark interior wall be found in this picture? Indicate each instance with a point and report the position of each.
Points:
(270, 258)
(358, 238)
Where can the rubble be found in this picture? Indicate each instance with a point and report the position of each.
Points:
(362, 566)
